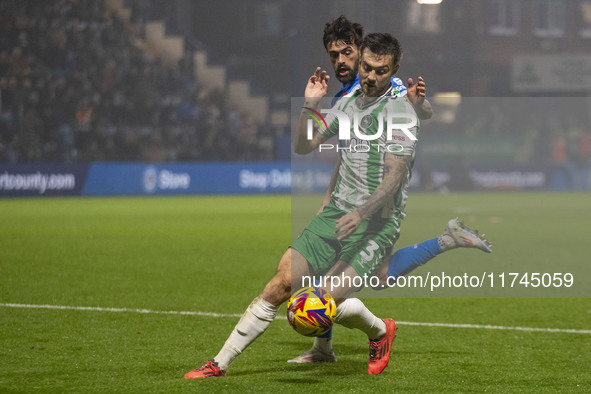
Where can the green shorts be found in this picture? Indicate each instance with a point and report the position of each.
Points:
(364, 250)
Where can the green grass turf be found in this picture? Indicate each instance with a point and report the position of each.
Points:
(214, 254)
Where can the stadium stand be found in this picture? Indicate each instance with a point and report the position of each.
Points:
(84, 81)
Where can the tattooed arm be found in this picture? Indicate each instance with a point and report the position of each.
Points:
(395, 168)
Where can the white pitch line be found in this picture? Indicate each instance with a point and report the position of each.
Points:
(235, 315)
(490, 327)
(100, 309)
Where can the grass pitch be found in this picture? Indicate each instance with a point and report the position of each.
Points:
(214, 255)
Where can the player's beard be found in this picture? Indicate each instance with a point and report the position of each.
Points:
(373, 89)
(349, 77)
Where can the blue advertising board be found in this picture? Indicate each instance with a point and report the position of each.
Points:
(27, 180)
(281, 177)
(109, 179)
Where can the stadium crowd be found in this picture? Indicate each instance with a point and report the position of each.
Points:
(77, 83)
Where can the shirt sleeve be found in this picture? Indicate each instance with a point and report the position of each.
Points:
(333, 126)
(399, 88)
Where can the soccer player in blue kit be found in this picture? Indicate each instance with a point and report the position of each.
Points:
(341, 40)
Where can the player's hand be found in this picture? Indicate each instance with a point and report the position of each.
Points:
(416, 92)
(317, 86)
(347, 225)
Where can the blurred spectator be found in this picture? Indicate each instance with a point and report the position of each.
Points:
(561, 175)
(583, 160)
(77, 84)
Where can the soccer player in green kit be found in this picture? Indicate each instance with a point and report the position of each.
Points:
(366, 227)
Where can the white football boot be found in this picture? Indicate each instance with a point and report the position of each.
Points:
(457, 235)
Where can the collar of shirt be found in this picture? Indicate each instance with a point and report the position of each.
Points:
(346, 88)
(362, 103)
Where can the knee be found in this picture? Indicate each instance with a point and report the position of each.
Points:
(278, 289)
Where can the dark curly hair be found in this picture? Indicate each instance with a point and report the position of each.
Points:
(342, 29)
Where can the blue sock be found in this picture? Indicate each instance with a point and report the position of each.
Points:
(327, 334)
(411, 257)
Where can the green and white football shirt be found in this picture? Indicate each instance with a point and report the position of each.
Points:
(362, 156)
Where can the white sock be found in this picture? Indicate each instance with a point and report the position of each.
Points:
(446, 242)
(351, 313)
(253, 323)
(323, 344)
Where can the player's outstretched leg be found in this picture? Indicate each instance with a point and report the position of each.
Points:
(455, 235)
(255, 320)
